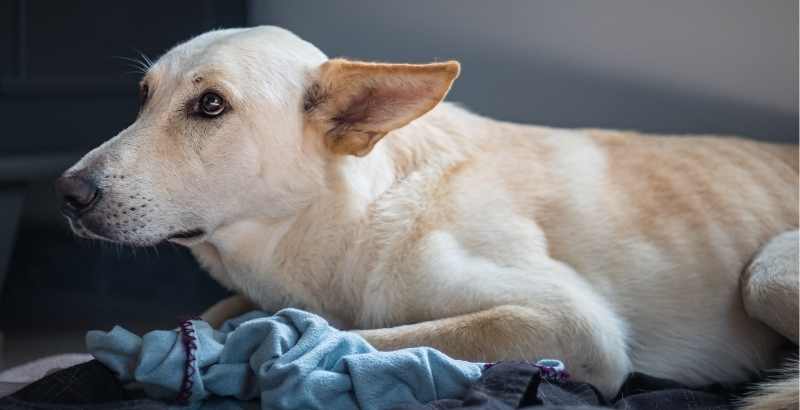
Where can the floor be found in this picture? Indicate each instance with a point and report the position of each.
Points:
(58, 287)
(22, 347)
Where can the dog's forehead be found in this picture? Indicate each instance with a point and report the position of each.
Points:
(234, 53)
(239, 47)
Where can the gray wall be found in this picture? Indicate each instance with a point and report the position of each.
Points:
(723, 66)
(718, 66)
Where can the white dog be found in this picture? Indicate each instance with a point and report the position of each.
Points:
(347, 188)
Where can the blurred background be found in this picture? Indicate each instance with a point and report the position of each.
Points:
(717, 66)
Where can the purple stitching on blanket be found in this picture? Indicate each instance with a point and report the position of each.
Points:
(552, 369)
(190, 344)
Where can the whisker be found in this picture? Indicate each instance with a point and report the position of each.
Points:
(137, 62)
(145, 58)
(141, 64)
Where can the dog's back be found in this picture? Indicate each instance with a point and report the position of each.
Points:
(662, 227)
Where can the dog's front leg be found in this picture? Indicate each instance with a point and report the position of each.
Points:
(227, 308)
(580, 330)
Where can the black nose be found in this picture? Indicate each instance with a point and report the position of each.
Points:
(78, 194)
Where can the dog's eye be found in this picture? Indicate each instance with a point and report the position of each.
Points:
(211, 104)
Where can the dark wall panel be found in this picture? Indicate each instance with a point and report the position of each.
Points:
(63, 90)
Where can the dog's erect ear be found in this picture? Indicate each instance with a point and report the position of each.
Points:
(354, 104)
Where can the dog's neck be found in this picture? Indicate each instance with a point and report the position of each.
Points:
(430, 141)
(322, 239)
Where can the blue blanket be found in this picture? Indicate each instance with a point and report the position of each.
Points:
(290, 360)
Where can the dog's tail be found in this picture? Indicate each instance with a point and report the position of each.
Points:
(779, 393)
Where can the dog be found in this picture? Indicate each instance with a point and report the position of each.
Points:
(350, 189)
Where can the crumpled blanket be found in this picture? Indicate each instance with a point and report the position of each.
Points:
(502, 386)
(290, 360)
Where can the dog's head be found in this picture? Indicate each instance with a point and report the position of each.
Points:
(238, 124)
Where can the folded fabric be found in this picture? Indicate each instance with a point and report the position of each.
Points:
(290, 360)
(89, 385)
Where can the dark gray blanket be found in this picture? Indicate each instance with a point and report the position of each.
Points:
(503, 386)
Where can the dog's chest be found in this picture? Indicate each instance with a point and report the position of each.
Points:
(274, 286)
(411, 259)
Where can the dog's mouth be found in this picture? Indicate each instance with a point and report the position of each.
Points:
(187, 237)
(82, 231)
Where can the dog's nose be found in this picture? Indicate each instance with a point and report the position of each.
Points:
(78, 194)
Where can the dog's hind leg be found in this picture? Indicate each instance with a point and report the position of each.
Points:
(770, 285)
(770, 294)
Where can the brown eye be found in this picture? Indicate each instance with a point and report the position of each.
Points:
(211, 104)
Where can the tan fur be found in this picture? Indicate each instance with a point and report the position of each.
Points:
(776, 394)
(343, 188)
(354, 104)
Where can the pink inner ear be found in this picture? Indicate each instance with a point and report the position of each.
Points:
(386, 104)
